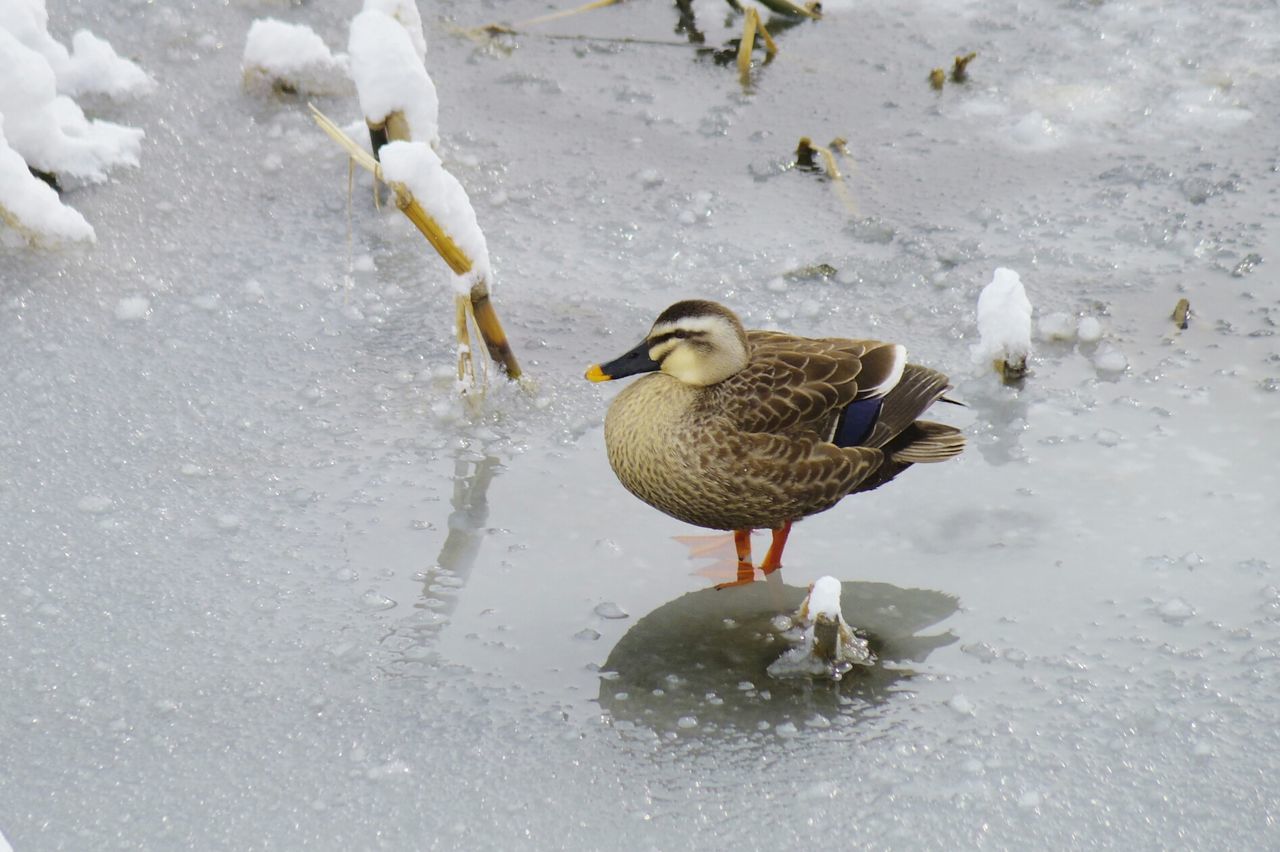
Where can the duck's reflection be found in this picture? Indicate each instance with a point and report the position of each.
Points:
(698, 664)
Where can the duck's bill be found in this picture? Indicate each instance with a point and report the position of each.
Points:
(635, 361)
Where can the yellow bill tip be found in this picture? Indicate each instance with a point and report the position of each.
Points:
(595, 374)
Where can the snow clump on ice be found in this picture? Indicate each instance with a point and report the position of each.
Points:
(31, 205)
(91, 66)
(293, 58)
(43, 130)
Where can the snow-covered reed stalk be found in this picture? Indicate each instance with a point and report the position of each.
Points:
(1004, 325)
(438, 206)
(397, 96)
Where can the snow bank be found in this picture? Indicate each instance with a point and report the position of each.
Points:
(49, 130)
(390, 76)
(293, 58)
(91, 66)
(1004, 321)
(31, 206)
(419, 168)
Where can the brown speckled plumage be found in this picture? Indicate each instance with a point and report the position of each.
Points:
(754, 450)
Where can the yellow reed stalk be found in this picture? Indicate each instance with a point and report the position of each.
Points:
(1182, 313)
(838, 182)
(787, 7)
(486, 31)
(565, 13)
(751, 20)
(770, 46)
(462, 327)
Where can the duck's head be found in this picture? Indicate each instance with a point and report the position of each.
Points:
(698, 342)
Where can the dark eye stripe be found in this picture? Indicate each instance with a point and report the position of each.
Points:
(678, 333)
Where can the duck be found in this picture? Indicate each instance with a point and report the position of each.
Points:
(744, 430)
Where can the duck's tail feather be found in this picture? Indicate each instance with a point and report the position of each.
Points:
(924, 441)
(918, 389)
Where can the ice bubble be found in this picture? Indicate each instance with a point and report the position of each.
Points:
(253, 288)
(1089, 330)
(686, 722)
(388, 770)
(1034, 131)
(817, 720)
(1107, 437)
(586, 634)
(132, 308)
(1175, 610)
(786, 729)
(228, 522)
(1057, 326)
(687, 217)
(983, 651)
(206, 301)
(961, 704)
(96, 504)
(1111, 360)
(373, 600)
(1029, 799)
(609, 609)
(650, 178)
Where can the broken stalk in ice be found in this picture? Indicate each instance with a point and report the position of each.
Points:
(460, 243)
(750, 26)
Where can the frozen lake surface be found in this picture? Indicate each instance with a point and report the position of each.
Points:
(265, 582)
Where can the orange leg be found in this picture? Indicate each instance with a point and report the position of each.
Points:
(773, 559)
(746, 571)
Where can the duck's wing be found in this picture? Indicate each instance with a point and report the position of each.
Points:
(797, 383)
(804, 473)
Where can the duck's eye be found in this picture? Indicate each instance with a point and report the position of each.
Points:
(680, 333)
